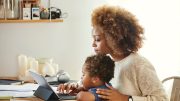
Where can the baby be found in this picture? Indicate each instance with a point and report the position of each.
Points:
(97, 71)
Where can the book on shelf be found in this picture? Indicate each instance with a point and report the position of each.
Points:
(11, 82)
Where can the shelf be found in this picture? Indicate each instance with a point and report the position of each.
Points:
(30, 21)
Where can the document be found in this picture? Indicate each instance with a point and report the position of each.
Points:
(24, 87)
(11, 94)
(25, 90)
(10, 82)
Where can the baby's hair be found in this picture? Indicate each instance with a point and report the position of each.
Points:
(101, 66)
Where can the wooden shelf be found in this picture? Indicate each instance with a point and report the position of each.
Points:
(30, 21)
(37, 2)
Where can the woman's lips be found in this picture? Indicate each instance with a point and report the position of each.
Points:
(97, 51)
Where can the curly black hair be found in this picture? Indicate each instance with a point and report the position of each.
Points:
(120, 27)
(101, 66)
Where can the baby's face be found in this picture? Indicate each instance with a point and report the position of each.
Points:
(86, 79)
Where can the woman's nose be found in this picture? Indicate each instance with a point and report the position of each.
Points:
(81, 78)
(93, 44)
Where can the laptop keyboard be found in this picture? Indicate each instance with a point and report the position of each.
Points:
(66, 96)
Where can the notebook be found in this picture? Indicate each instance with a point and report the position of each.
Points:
(10, 82)
(43, 83)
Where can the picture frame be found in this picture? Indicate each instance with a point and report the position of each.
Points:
(26, 13)
(35, 14)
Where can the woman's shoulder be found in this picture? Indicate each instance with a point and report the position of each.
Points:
(133, 57)
(136, 60)
(136, 57)
(140, 62)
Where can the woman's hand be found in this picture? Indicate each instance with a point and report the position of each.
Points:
(70, 88)
(111, 94)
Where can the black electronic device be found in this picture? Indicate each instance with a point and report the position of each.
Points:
(45, 92)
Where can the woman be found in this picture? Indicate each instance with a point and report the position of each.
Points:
(117, 32)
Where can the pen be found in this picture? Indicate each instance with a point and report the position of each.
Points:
(5, 97)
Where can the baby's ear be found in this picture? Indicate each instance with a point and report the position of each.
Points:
(95, 79)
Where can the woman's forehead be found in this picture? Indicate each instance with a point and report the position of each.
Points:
(84, 66)
(96, 32)
(97, 29)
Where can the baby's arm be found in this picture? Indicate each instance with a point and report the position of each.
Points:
(85, 96)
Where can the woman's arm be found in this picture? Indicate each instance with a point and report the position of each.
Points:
(143, 78)
(149, 83)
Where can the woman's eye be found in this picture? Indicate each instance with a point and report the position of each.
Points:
(97, 39)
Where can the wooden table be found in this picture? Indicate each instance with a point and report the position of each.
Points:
(29, 99)
(26, 99)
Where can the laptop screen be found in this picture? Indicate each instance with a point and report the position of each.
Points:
(40, 80)
(45, 88)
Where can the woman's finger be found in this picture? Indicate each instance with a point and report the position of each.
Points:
(103, 92)
(109, 86)
(104, 97)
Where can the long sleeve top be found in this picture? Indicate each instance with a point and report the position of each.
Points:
(136, 76)
(94, 89)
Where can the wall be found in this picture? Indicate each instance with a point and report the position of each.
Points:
(70, 42)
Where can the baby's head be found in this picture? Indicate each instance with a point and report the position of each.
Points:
(97, 70)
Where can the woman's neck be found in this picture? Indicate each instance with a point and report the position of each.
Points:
(117, 57)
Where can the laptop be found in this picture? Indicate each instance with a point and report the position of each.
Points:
(44, 90)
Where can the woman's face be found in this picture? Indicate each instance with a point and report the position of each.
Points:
(99, 42)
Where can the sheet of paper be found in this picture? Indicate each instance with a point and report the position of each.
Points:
(16, 94)
(20, 88)
(25, 90)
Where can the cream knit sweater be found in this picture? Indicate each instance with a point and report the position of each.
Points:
(135, 76)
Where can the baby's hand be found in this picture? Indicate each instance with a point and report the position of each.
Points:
(68, 88)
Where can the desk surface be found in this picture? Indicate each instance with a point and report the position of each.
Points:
(26, 99)
(29, 99)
